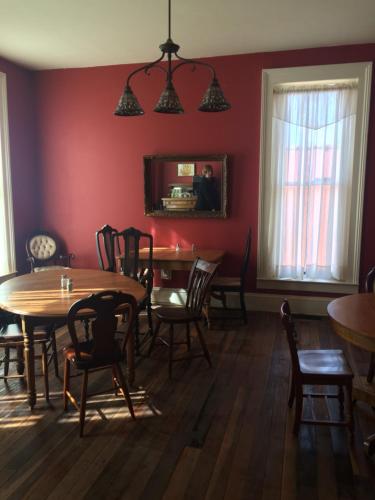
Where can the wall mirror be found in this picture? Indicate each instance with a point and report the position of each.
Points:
(186, 186)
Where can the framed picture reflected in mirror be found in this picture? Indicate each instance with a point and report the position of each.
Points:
(186, 186)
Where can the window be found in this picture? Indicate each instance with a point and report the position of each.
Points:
(7, 254)
(314, 143)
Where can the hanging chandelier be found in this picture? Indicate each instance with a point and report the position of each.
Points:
(213, 100)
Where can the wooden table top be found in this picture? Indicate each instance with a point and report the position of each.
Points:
(353, 318)
(166, 254)
(40, 295)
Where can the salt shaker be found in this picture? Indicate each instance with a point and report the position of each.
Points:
(177, 247)
(69, 284)
(63, 280)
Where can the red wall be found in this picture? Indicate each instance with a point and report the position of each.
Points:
(91, 161)
(22, 138)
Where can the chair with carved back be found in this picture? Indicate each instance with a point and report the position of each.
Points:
(44, 252)
(104, 351)
(130, 242)
(221, 285)
(369, 288)
(200, 278)
(107, 248)
(316, 367)
(11, 338)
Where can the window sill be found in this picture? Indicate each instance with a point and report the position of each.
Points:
(307, 286)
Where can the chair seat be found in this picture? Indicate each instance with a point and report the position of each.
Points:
(49, 268)
(87, 360)
(324, 362)
(13, 333)
(176, 315)
(225, 282)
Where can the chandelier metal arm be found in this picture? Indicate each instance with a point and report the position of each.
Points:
(146, 68)
(194, 62)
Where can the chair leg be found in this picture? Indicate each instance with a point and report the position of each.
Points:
(45, 370)
(82, 408)
(223, 299)
(6, 361)
(340, 397)
(292, 393)
(66, 383)
(149, 317)
(54, 354)
(171, 342)
(154, 335)
(124, 387)
(136, 333)
(20, 361)
(298, 411)
(371, 369)
(349, 388)
(243, 307)
(188, 336)
(203, 343)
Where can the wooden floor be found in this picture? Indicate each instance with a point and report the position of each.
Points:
(220, 433)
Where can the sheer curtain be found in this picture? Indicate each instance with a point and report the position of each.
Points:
(309, 191)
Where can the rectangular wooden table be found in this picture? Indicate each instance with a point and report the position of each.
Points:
(171, 259)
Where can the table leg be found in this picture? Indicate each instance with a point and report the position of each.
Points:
(130, 358)
(28, 333)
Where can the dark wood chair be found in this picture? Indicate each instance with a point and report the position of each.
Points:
(221, 285)
(369, 288)
(200, 278)
(107, 247)
(322, 367)
(44, 252)
(130, 241)
(104, 351)
(11, 338)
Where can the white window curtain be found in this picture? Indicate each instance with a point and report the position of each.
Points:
(309, 189)
(7, 252)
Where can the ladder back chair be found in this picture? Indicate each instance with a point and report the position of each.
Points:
(226, 284)
(200, 278)
(104, 351)
(107, 248)
(130, 242)
(322, 367)
(369, 288)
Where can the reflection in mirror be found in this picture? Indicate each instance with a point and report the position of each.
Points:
(186, 186)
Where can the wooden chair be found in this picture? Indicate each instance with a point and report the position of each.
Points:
(11, 338)
(369, 288)
(106, 248)
(43, 252)
(104, 351)
(200, 278)
(224, 284)
(316, 367)
(130, 241)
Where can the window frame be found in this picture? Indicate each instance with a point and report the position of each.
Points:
(273, 77)
(6, 172)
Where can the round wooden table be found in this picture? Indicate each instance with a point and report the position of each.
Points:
(353, 318)
(38, 298)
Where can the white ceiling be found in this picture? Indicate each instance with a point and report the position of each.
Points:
(45, 34)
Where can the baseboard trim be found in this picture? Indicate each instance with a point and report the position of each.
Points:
(311, 305)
